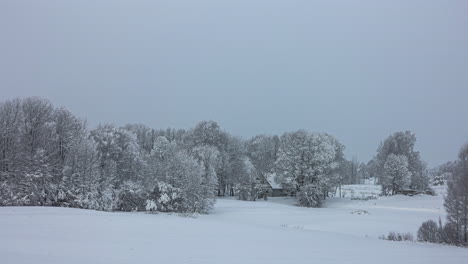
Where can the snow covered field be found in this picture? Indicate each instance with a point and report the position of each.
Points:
(271, 231)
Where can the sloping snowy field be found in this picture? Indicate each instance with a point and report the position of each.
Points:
(271, 231)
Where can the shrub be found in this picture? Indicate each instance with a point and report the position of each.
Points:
(150, 206)
(131, 198)
(432, 232)
(167, 198)
(441, 179)
(309, 196)
(429, 232)
(394, 236)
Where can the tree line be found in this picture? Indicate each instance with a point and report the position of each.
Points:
(49, 157)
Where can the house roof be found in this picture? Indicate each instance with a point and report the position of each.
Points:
(271, 180)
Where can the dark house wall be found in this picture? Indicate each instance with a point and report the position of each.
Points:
(278, 193)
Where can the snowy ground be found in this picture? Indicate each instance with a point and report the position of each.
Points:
(238, 232)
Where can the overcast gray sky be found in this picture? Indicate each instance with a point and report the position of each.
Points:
(359, 70)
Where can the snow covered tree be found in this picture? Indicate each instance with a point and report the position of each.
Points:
(248, 187)
(455, 230)
(35, 143)
(157, 163)
(233, 165)
(208, 133)
(10, 150)
(145, 137)
(185, 173)
(118, 153)
(402, 144)
(68, 133)
(118, 159)
(10, 129)
(179, 181)
(31, 174)
(209, 158)
(47, 157)
(262, 151)
(80, 182)
(396, 174)
(66, 130)
(37, 121)
(308, 159)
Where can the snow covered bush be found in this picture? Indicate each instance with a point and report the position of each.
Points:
(441, 179)
(150, 206)
(183, 183)
(131, 197)
(165, 198)
(309, 196)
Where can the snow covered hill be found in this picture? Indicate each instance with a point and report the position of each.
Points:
(271, 231)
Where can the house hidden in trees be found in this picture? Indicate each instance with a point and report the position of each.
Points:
(275, 190)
